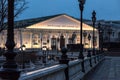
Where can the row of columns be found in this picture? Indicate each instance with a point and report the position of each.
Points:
(47, 38)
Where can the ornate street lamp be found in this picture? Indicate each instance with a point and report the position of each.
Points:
(73, 40)
(10, 71)
(23, 48)
(57, 44)
(109, 34)
(101, 32)
(44, 55)
(81, 6)
(62, 41)
(89, 38)
(93, 20)
(73, 37)
(99, 27)
(100, 37)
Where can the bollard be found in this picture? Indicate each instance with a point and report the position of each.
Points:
(83, 67)
(98, 52)
(94, 57)
(82, 63)
(64, 60)
(81, 56)
(89, 55)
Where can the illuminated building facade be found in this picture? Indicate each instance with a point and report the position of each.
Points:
(48, 32)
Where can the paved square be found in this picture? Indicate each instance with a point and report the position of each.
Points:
(108, 70)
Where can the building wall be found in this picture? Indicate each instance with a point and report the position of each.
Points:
(48, 34)
(40, 38)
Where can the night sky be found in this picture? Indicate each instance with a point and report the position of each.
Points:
(105, 9)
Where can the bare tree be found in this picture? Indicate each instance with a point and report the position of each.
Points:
(20, 6)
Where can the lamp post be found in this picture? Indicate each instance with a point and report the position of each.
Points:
(109, 34)
(44, 55)
(93, 20)
(57, 44)
(89, 38)
(99, 26)
(100, 37)
(81, 6)
(73, 40)
(10, 71)
(23, 48)
(101, 32)
(84, 35)
(73, 37)
(41, 43)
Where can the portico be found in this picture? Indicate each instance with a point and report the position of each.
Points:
(42, 32)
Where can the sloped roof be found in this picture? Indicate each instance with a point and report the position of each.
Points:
(28, 22)
(61, 22)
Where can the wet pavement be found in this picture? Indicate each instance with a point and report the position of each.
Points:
(107, 70)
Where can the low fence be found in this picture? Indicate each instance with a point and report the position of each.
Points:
(66, 70)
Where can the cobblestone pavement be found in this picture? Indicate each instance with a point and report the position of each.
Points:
(108, 70)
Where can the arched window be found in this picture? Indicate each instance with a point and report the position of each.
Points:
(35, 39)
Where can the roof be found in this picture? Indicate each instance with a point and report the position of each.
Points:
(28, 22)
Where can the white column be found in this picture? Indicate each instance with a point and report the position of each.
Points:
(50, 41)
(40, 40)
(30, 40)
(3, 40)
(21, 42)
(66, 40)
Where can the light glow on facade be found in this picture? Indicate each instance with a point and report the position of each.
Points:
(47, 33)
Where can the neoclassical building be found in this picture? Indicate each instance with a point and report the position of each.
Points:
(51, 32)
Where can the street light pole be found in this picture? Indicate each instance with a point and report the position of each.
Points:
(23, 47)
(100, 37)
(99, 30)
(10, 71)
(109, 34)
(89, 38)
(73, 40)
(81, 6)
(93, 20)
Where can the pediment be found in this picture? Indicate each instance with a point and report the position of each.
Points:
(60, 22)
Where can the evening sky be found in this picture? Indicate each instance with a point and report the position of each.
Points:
(105, 9)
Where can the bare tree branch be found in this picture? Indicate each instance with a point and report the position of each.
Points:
(20, 6)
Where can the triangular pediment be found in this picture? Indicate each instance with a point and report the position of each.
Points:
(60, 22)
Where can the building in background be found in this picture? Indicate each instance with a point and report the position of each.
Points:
(51, 32)
(111, 33)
